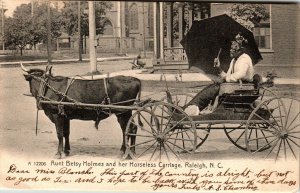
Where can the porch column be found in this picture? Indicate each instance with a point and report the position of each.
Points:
(161, 29)
(118, 27)
(155, 37)
(169, 24)
(191, 14)
(157, 30)
(180, 20)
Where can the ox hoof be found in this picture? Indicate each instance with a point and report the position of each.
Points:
(58, 155)
(126, 155)
(67, 153)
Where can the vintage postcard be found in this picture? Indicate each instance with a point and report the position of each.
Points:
(149, 96)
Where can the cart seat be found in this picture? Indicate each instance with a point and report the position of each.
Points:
(238, 95)
(232, 87)
(240, 87)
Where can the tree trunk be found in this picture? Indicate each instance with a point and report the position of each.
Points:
(84, 44)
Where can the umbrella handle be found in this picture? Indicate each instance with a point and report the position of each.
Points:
(219, 52)
(218, 56)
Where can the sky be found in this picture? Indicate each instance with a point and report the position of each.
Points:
(10, 5)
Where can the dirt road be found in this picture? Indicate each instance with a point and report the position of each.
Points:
(18, 119)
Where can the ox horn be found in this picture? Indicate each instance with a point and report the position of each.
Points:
(48, 68)
(23, 68)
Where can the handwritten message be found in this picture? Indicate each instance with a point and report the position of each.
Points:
(153, 176)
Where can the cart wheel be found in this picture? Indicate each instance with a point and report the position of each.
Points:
(237, 136)
(181, 99)
(202, 132)
(159, 132)
(276, 123)
(265, 94)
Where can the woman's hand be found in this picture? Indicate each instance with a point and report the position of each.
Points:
(217, 63)
(218, 80)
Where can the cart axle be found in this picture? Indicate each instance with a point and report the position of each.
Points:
(160, 138)
(284, 135)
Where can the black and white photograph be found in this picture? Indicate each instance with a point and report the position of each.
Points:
(149, 96)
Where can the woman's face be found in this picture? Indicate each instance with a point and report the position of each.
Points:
(235, 50)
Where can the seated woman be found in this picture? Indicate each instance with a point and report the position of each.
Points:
(241, 68)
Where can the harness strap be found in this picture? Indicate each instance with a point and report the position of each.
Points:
(41, 93)
(106, 93)
(70, 82)
(106, 99)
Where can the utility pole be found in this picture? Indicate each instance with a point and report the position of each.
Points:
(48, 32)
(119, 26)
(2, 17)
(92, 35)
(79, 32)
(144, 35)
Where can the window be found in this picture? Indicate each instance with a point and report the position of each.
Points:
(150, 19)
(262, 32)
(133, 17)
(108, 28)
(262, 35)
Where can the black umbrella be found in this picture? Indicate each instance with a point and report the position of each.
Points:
(208, 37)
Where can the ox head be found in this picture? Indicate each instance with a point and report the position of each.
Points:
(34, 76)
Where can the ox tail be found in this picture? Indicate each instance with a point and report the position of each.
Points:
(139, 100)
(97, 124)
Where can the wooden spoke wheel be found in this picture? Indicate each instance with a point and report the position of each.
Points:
(202, 132)
(274, 126)
(265, 94)
(237, 136)
(163, 131)
(181, 99)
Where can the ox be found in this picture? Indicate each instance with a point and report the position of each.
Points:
(123, 90)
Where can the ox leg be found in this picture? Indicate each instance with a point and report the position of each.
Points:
(66, 136)
(123, 120)
(59, 124)
(133, 129)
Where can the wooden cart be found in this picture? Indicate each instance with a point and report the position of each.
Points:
(254, 120)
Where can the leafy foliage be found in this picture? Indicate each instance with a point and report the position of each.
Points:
(26, 29)
(70, 16)
(249, 15)
(17, 31)
(39, 21)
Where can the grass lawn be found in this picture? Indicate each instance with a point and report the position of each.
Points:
(30, 55)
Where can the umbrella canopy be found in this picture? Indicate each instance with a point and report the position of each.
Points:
(206, 37)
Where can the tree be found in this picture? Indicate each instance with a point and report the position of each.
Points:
(18, 29)
(39, 23)
(249, 15)
(70, 17)
(26, 29)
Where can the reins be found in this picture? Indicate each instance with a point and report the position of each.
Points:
(41, 93)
